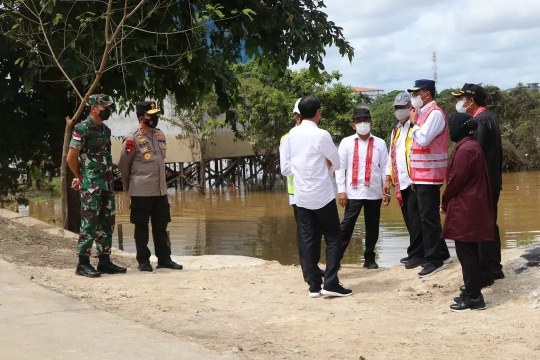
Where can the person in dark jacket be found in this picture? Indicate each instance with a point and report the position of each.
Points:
(468, 207)
(472, 100)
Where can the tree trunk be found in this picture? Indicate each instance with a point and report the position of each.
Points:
(28, 178)
(201, 187)
(71, 208)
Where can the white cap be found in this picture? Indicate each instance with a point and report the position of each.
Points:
(296, 109)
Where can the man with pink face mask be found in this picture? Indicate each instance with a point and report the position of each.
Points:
(363, 159)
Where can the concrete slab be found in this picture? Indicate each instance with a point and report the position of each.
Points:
(63, 233)
(28, 221)
(207, 262)
(36, 323)
(9, 215)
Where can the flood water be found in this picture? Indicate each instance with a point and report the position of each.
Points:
(261, 224)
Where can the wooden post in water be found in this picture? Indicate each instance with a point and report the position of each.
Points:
(120, 237)
(168, 239)
(244, 169)
(182, 176)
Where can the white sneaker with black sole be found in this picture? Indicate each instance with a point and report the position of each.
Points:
(430, 270)
(336, 291)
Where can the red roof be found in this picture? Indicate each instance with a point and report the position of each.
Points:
(364, 89)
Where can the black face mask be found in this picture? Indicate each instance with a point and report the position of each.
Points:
(152, 122)
(105, 114)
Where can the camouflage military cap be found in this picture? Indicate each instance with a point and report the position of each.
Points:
(100, 99)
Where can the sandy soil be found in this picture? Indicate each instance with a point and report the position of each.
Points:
(264, 312)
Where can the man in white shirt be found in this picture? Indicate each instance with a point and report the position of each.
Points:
(429, 157)
(285, 158)
(313, 156)
(398, 175)
(363, 161)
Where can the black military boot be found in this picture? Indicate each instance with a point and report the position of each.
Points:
(84, 268)
(105, 266)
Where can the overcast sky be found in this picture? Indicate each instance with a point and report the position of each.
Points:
(479, 41)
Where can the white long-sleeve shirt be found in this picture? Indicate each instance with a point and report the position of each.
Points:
(401, 157)
(433, 126)
(378, 168)
(305, 157)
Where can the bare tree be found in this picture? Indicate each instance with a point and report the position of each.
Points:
(197, 125)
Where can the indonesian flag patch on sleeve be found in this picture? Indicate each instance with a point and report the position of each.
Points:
(77, 137)
(130, 144)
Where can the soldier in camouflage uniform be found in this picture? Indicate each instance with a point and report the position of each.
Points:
(89, 158)
(142, 166)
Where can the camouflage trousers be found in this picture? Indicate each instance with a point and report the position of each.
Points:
(97, 221)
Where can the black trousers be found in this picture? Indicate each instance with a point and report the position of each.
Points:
(372, 217)
(490, 251)
(155, 208)
(469, 256)
(311, 223)
(299, 241)
(429, 201)
(413, 222)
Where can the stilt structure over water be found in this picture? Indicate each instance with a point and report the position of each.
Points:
(227, 162)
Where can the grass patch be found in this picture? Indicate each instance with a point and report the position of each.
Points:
(524, 242)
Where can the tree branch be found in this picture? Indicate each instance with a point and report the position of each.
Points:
(108, 20)
(56, 59)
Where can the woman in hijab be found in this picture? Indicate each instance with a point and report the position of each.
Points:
(466, 202)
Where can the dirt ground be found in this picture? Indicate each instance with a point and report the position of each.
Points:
(265, 313)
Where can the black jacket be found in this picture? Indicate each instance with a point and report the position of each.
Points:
(488, 135)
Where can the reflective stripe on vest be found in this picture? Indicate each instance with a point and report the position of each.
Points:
(408, 147)
(428, 164)
(290, 179)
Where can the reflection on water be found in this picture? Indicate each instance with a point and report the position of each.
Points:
(231, 222)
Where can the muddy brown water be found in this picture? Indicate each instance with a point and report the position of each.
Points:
(261, 224)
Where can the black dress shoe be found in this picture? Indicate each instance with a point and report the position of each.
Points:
(145, 267)
(87, 270)
(498, 275)
(404, 260)
(414, 263)
(110, 268)
(371, 265)
(169, 265)
(466, 303)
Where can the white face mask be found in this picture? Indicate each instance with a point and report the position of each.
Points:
(363, 128)
(401, 114)
(460, 108)
(417, 102)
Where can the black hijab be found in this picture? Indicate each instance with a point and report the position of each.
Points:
(461, 125)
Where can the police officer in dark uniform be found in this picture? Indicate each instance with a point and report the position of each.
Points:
(142, 166)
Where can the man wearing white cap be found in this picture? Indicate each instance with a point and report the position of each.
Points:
(290, 179)
(398, 175)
